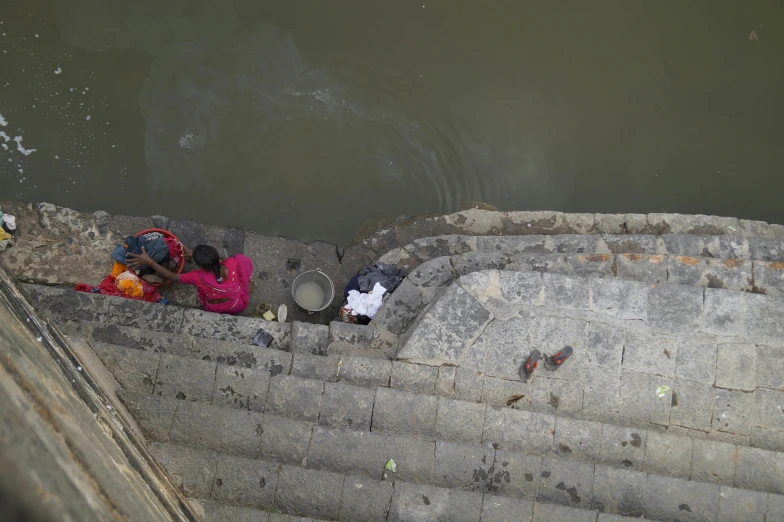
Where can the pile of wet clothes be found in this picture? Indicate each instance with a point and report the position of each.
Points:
(7, 229)
(366, 291)
(141, 284)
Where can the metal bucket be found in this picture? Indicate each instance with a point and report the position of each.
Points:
(322, 280)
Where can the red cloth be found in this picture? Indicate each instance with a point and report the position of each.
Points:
(175, 249)
(108, 287)
(234, 288)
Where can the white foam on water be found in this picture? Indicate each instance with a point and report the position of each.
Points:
(88, 117)
(3, 123)
(26, 152)
(5, 147)
(5, 136)
(186, 141)
(58, 71)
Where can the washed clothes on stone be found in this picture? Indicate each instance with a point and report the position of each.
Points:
(155, 247)
(366, 303)
(389, 276)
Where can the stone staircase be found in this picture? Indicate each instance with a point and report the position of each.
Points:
(306, 426)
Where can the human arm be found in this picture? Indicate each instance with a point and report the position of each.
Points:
(137, 261)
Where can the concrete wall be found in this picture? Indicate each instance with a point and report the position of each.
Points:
(64, 453)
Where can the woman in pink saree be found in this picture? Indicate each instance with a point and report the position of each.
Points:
(222, 284)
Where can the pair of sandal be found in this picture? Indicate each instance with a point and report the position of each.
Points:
(552, 362)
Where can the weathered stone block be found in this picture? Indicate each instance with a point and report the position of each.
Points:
(240, 387)
(501, 348)
(227, 431)
(556, 513)
(641, 267)
(769, 277)
(419, 503)
(601, 389)
(543, 263)
(725, 247)
(135, 370)
(317, 367)
(427, 248)
(445, 382)
(566, 291)
(517, 474)
(463, 467)
(769, 371)
(566, 482)
(413, 458)
(274, 361)
(217, 512)
(592, 265)
(185, 378)
(735, 366)
(191, 470)
(668, 498)
(605, 345)
(619, 490)
(692, 404)
(456, 317)
(433, 273)
(696, 362)
(351, 333)
(732, 411)
(667, 454)
(760, 470)
(713, 461)
(556, 396)
(630, 243)
(514, 430)
(347, 406)
(285, 440)
(511, 245)
(763, 318)
(675, 308)
(640, 400)
(309, 338)
(505, 509)
(362, 371)
(734, 274)
(775, 507)
(649, 354)
(468, 384)
(684, 270)
(154, 414)
(365, 500)
(623, 446)
(309, 492)
(768, 409)
(400, 309)
(476, 261)
(521, 287)
(415, 378)
(459, 421)
(772, 440)
(619, 298)
(578, 439)
(245, 482)
(741, 505)
(294, 397)
(765, 249)
(497, 392)
(682, 244)
(723, 312)
(406, 413)
(347, 451)
(573, 243)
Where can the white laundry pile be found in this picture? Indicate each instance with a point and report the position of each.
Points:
(366, 304)
(9, 221)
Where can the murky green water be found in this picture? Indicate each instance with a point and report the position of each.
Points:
(306, 118)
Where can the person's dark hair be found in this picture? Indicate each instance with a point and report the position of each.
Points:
(207, 257)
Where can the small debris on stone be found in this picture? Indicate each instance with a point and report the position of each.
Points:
(661, 391)
(391, 466)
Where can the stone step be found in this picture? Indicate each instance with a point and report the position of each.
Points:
(474, 222)
(335, 496)
(244, 449)
(210, 511)
(356, 397)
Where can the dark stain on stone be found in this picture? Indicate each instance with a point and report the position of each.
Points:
(545, 474)
(262, 483)
(496, 445)
(259, 430)
(181, 396)
(674, 399)
(628, 463)
(573, 494)
(685, 507)
(247, 359)
(554, 400)
(636, 440)
(564, 448)
(484, 459)
(293, 264)
(263, 276)
(425, 500)
(624, 443)
(715, 282)
(219, 483)
(274, 368)
(285, 283)
(529, 477)
(667, 353)
(561, 486)
(350, 422)
(147, 381)
(504, 464)
(206, 358)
